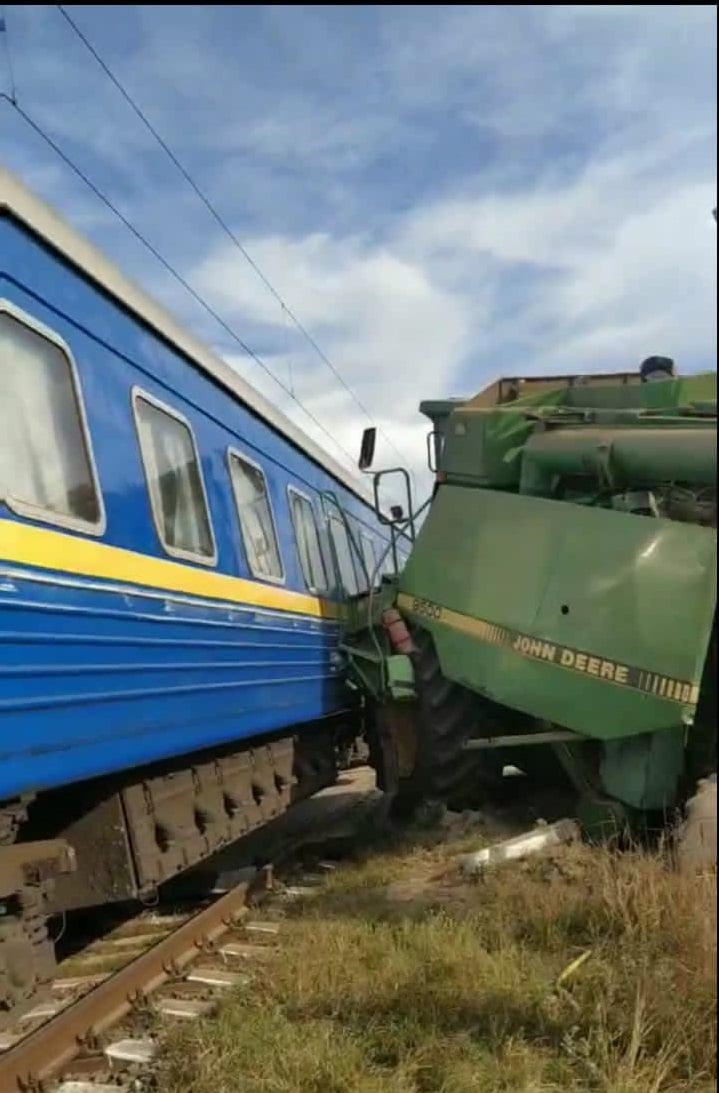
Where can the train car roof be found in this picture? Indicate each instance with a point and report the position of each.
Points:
(17, 201)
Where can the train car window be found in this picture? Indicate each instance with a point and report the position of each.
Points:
(46, 465)
(257, 522)
(304, 522)
(341, 543)
(370, 559)
(174, 479)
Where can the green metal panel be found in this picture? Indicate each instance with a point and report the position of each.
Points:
(485, 445)
(574, 614)
(664, 394)
(621, 457)
(643, 771)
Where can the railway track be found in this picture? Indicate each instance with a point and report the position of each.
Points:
(94, 1035)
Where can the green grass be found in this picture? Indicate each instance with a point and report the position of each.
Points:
(402, 978)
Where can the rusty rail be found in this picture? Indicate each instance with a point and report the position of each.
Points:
(52, 1046)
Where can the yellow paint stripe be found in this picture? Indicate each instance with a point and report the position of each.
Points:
(44, 548)
(548, 652)
(467, 624)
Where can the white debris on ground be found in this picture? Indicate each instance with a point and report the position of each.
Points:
(544, 837)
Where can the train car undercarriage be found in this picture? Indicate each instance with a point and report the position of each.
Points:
(120, 837)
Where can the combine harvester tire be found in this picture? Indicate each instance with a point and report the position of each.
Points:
(447, 715)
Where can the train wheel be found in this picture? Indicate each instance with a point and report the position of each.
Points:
(27, 956)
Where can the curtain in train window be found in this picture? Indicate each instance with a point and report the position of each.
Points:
(44, 461)
(308, 542)
(174, 481)
(341, 543)
(256, 521)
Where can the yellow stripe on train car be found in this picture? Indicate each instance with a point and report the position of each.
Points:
(42, 548)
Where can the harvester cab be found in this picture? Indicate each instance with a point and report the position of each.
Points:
(556, 612)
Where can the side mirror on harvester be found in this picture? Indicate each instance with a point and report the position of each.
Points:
(369, 439)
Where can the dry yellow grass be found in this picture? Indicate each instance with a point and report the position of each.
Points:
(400, 978)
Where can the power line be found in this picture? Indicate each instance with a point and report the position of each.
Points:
(6, 40)
(37, 128)
(222, 223)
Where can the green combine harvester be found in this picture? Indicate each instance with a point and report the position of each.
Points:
(557, 610)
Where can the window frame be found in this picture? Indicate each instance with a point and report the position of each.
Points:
(316, 591)
(365, 537)
(236, 453)
(27, 508)
(336, 517)
(138, 393)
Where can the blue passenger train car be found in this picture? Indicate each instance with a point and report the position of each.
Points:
(174, 555)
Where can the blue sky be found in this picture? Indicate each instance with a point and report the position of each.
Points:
(442, 194)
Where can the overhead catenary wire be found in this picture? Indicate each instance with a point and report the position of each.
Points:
(167, 265)
(8, 56)
(222, 223)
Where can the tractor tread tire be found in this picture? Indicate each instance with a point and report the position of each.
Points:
(448, 715)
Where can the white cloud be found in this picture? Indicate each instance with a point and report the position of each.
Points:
(393, 333)
(623, 265)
